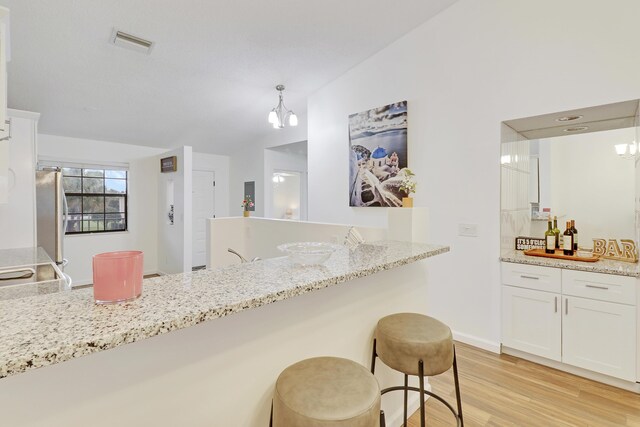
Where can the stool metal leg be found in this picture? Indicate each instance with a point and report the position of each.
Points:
(373, 357)
(383, 421)
(457, 383)
(421, 374)
(406, 398)
(271, 416)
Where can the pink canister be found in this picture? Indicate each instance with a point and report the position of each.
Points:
(117, 276)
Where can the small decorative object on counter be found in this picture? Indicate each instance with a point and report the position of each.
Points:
(117, 276)
(550, 239)
(567, 242)
(612, 250)
(556, 231)
(408, 185)
(308, 253)
(246, 204)
(524, 243)
(575, 235)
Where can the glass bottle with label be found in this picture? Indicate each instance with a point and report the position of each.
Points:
(575, 235)
(550, 239)
(567, 242)
(556, 231)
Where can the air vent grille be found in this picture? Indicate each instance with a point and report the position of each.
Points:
(129, 41)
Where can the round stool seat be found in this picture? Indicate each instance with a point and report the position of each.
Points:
(403, 339)
(326, 391)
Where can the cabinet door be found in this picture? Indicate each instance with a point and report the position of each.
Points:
(600, 336)
(531, 321)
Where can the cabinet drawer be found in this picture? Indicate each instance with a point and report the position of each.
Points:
(598, 286)
(531, 277)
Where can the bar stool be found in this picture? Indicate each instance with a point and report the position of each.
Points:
(415, 344)
(326, 392)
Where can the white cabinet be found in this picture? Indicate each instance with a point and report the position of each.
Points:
(597, 335)
(17, 216)
(4, 131)
(532, 322)
(579, 318)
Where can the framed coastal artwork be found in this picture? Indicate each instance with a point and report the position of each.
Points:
(377, 156)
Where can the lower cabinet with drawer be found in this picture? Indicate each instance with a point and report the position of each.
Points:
(583, 319)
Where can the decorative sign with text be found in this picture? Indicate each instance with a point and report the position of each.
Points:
(526, 243)
(610, 249)
(169, 164)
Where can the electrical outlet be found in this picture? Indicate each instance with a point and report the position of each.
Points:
(468, 230)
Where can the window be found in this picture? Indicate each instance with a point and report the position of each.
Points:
(97, 200)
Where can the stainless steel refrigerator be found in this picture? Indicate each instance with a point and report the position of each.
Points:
(51, 206)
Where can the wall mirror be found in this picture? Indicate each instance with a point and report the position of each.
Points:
(580, 164)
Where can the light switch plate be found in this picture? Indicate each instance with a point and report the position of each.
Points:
(468, 230)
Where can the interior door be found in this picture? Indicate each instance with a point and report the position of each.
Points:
(203, 208)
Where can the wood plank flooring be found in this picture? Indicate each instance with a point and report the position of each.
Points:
(502, 390)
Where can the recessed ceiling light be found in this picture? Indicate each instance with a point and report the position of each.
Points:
(568, 118)
(131, 42)
(576, 129)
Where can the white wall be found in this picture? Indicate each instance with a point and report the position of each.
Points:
(174, 188)
(17, 216)
(464, 72)
(593, 185)
(142, 200)
(275, 160)
(247, 164)
(219, 165)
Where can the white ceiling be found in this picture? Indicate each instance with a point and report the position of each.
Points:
(209, 81)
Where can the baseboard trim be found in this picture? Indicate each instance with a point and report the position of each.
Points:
(86, 282)
(474, 341)
(595, 376)
(396, 418)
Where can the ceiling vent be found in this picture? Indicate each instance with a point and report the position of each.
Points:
(130, 42)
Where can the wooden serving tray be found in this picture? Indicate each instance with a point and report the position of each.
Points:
(559, 254)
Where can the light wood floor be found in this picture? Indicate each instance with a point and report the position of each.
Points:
(501, 390)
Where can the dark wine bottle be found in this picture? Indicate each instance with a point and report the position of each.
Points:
(575, 235)
(556, 231)
(567, 243)
(550, 239)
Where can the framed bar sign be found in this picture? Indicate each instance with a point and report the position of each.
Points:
(169, 164)
(525, 243)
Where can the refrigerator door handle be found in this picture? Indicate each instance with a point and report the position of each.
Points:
(65, 213)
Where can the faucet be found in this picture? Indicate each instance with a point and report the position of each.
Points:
(242, 259)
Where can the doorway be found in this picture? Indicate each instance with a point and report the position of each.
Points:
(286, 195)
(203, 190)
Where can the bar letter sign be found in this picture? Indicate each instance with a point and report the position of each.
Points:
(625, 251)
(169, 164)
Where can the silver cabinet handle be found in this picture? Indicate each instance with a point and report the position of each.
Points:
(597, 287)
(529, 277)
(555, 310)
(566, 306)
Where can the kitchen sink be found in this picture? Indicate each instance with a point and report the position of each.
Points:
(28, 274)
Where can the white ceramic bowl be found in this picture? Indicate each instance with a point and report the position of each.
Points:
(308, 253)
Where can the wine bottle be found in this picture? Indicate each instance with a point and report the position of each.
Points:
(556, 231)
(567, 244)
(550, 239)
(575, 235)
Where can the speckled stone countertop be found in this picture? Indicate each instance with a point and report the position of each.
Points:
(606, 266)
(42, 330)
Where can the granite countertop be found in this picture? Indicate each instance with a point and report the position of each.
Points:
(43, 330)
(606, 266)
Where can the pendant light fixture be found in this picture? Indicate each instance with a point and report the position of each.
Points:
(280, 114)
